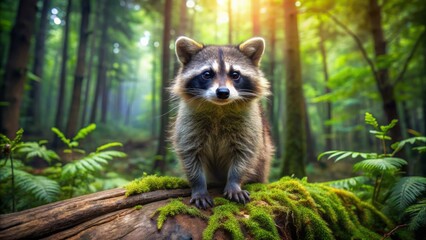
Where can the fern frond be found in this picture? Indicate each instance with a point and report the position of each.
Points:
(18, 137)
(420, 149)
(82, 133)
(61, 136)
(4, 139)
(345, 154)
(388, 127)
(406, 191)
(91, 163)
(109, 145)
(371, 120)
(34, 149)
(42, 188)
(380, 165)
(417, 214)
(348, 183)
(399, 145)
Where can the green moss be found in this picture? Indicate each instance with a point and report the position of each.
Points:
(149, 183)
(224, 217)
(175, 207)
(260, 224)
(138, 207)
(289, 208)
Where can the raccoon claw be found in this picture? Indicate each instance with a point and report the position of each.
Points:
(202, 201)
(239, 196)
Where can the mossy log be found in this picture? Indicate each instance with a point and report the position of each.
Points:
(286, 209)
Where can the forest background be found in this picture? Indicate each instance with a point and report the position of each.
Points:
(69, 63)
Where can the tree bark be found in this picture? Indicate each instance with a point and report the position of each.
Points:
(16, 67)
(273, 113)
(105, 95)
(92, 48)
(383, 82)
(33, 110)
(295, 137)
(79, 70)
(96, 216)
(160, 163)
(328, 129)
(101, 71)
(62, 80)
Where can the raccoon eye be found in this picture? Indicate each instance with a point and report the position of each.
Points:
(207, 75)
(235, 75)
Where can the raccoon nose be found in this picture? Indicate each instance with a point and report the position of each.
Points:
(222, 93)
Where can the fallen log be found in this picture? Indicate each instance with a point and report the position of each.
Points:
(53, 219)
(286, 209)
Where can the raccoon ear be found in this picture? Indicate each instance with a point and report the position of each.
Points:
(186, 48)
(253, 49)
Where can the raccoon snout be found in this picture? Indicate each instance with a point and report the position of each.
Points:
(222, 93)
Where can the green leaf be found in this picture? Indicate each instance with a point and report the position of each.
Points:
(4, 139)
(42, 188)
(406, 191)
(62, 137)
(34, 149)
(380, 165)
(417, 213)
(82, 133)
(18, 138)
(391, 125)
(109, 145)
(399, 145)
(348, 183)
(325, 153)
(91, 163)
(371, 120)
(345, 154)
(33, 77)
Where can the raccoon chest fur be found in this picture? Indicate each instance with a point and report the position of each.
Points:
(217, 138)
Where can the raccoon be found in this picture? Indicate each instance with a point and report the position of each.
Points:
(220, 134)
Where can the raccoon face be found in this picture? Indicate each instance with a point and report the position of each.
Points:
(220, 74)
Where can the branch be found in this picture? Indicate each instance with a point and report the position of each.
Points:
(389, 234)
(357, 41)
(410, 56)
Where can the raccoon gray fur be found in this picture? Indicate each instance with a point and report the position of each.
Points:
(220, 134)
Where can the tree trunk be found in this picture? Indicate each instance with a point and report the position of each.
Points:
(33, 111)
(105, 96)
(16, 67)
(384, 85)
(255, 11)
(62, 81)
(160, 162)
(230, 27)
(101, 64)
(327, 130)
(274, 98)
(92, 48)
(154, 94)
(295, 138)
(79, 70)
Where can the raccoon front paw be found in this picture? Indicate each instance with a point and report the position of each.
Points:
(237, 195)
(201, 200)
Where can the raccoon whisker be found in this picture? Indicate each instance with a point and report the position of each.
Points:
(171, 110)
